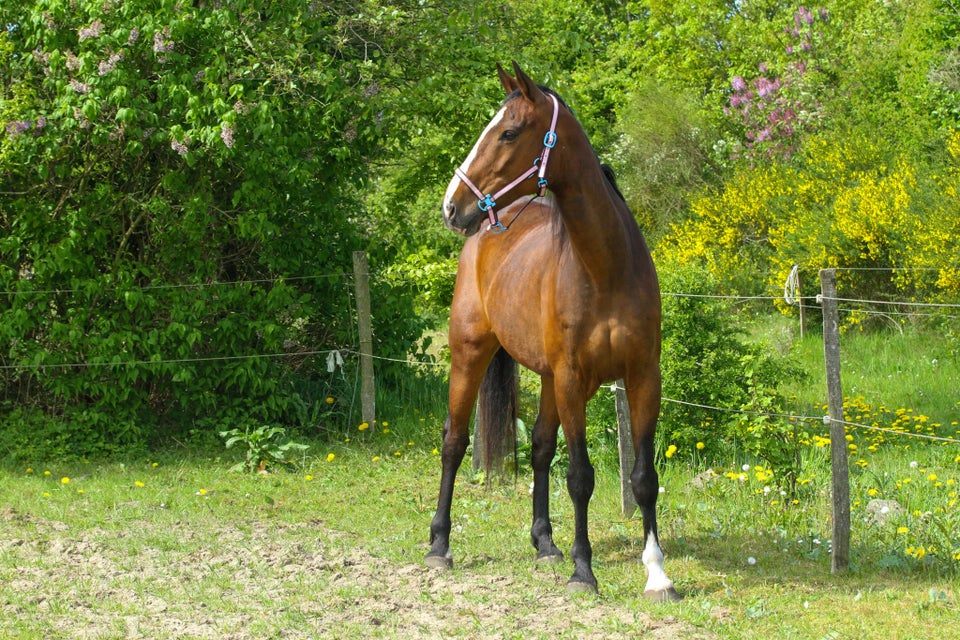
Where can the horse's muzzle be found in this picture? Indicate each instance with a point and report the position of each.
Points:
(464, 223)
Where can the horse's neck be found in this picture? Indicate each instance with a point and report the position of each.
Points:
(595, 228)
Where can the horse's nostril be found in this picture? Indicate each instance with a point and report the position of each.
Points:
(449, 210)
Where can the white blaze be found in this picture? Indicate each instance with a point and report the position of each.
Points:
(465, 167)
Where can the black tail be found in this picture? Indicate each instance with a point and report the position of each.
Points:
(495, 431)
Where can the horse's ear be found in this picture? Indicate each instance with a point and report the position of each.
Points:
(509, 84)
(527, 86)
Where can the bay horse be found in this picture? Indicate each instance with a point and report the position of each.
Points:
(568, 289)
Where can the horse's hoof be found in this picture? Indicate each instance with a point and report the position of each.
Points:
(575, 586)
(439, 562)
(550, 558)
(664, 595)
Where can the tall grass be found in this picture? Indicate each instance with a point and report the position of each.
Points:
(910, 368)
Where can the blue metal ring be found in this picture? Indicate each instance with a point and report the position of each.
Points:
(550, 140)
(486, 203)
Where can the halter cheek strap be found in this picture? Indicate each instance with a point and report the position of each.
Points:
(487, 202)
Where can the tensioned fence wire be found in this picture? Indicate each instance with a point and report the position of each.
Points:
(412, 362)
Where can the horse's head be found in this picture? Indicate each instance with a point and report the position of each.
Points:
(509, 158)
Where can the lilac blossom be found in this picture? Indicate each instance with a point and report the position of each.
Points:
(73, 62)
(93, 31)
(19, 127)
(108, 65)
(226, 134)
(79, 87)
(162, 42)
(179, 147)
(738, 83)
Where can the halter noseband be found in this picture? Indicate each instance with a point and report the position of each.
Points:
(488, 202)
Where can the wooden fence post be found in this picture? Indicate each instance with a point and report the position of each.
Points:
(803, 313)
(628, 503)
(361, 283)
(838, 442)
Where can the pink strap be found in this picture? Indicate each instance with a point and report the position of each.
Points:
(539, 168)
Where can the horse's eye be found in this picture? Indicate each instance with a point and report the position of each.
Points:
(509, 135)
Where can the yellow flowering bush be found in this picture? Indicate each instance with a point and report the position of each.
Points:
(848, 203)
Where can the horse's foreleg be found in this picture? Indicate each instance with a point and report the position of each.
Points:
(644, 400)
(571, 405)
(466, 372)
(454, 448)
(544, 443)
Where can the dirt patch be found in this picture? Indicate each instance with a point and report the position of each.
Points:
(273, 580)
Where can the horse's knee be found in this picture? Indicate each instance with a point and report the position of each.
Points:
(580, 480)
(646, 485)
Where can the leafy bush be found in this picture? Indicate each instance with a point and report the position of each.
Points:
(853, 203)
(706, 362)
(171, 233)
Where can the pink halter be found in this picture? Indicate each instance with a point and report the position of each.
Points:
(488, 202)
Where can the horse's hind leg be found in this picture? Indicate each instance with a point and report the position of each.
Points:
(643, 396)
(544, 448)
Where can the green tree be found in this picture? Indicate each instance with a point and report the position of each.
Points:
(153, 150)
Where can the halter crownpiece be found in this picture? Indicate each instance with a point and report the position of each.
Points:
(487, 202)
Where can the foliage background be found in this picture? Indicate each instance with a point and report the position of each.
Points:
(182, 183)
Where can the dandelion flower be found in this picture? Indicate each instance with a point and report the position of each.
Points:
(903, 530)
(138, 483)
(46, 473)
(308, 477)
(376, 458)
(672, 449)
(329, 400)
(363, 426)
(436, 451)
(384, 424)
(932, 477)
(155, 465)
(700, 446)
(202, 492)
(29, 470)
(330, 457)
(65, 480)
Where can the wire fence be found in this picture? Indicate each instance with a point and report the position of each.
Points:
(915, 310)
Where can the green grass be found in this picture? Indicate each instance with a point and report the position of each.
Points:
(336, 547)
(180, 547)
(912, 369)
